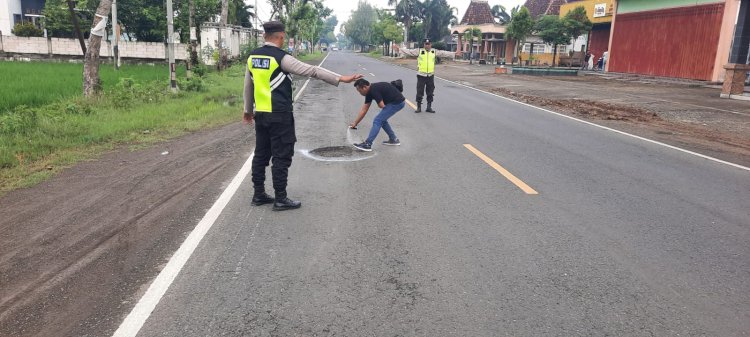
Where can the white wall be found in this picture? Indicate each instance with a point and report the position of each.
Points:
(71, 47)
(232, 39)
(7, 9)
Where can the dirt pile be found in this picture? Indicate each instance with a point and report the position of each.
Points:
(583, 107)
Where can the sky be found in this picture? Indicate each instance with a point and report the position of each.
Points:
(343, 8)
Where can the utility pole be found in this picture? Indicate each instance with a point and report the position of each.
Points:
(170, 46)
(193, 38)
(116, 29)
(255, 26)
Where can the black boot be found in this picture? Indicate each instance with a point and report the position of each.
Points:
(261, 198)
(429, 107)
(419, 107)
(283, 203)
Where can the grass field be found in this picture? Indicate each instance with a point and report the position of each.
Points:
(38, 142)
(37, 83)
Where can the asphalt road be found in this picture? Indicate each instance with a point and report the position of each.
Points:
(613, 236)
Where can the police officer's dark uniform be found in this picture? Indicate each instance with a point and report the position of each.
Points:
(268, 84)
(426, 71)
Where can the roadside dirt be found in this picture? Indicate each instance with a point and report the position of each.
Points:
(75, 249)
(687, 114)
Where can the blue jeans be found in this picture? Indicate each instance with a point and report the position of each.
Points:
(381, 121)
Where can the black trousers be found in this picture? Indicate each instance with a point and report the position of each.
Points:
(429, 81)
(274, 142)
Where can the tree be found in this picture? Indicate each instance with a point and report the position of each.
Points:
(387, 31)
(327, 36)
(500, 14)
(577, 22)
(469, 35)
(437, 17)
(360, 25)
(407, 11)
(552, 31)
(57, 18)
(91, 84)
(520, 27)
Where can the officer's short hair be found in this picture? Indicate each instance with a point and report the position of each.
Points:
(272, 27)
(361, 83)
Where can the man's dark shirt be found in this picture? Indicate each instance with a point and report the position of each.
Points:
(383, 91)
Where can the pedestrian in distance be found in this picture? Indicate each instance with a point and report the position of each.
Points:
(268, 104)
(586, 60)
(426, 71)
(590, 65)
(605, 58)
(389, 99)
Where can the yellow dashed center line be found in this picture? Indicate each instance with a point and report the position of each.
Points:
(502, 170)
(412, 105)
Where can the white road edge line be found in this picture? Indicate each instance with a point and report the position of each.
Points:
(146, 305)
(594, 124)
(142, 310)
(308, 80)
(371, 74)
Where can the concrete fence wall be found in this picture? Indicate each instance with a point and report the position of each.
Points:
(71, 47)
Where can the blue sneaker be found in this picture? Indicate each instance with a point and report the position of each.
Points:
(392, 142)
(364, 146)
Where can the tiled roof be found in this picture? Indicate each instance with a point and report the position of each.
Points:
(538, 8)
(479, 12)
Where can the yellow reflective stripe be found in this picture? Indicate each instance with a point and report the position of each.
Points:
(262, 68)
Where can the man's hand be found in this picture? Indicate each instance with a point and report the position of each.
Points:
(350, 78)
(353, 126)
(247, 118)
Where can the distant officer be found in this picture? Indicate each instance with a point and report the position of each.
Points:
(268, 89)
(426, 74)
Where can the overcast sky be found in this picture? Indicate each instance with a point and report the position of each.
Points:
(343, 8)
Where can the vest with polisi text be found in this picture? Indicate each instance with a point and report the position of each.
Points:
(272, 87)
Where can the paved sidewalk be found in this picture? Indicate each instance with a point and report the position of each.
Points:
(687, 114)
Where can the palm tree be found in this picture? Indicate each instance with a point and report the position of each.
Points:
(469, 35)
(500, 13)
(437, 16)
(407, 11)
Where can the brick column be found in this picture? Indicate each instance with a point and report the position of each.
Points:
(734, 80)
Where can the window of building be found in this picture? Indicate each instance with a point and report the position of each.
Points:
(17, 18)
(538, 48)
(562, 49)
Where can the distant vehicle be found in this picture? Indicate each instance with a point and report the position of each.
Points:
(335, 48)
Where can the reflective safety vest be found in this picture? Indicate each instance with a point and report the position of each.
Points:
(426, 61)
(272, 87)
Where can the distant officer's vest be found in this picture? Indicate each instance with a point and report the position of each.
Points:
(426, 61)
(272, 86)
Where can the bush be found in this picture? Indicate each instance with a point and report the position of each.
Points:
(192, 84)
(20, 120)
(27, 29)
(440, 45)
(200, 70)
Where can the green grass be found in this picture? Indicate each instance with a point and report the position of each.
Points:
(309, 57)
(37, 83)
(36, 143)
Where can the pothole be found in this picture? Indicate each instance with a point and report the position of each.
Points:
(334, 151)
(337, 153)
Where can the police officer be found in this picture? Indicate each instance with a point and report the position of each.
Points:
(426, 71)
(268, 89)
